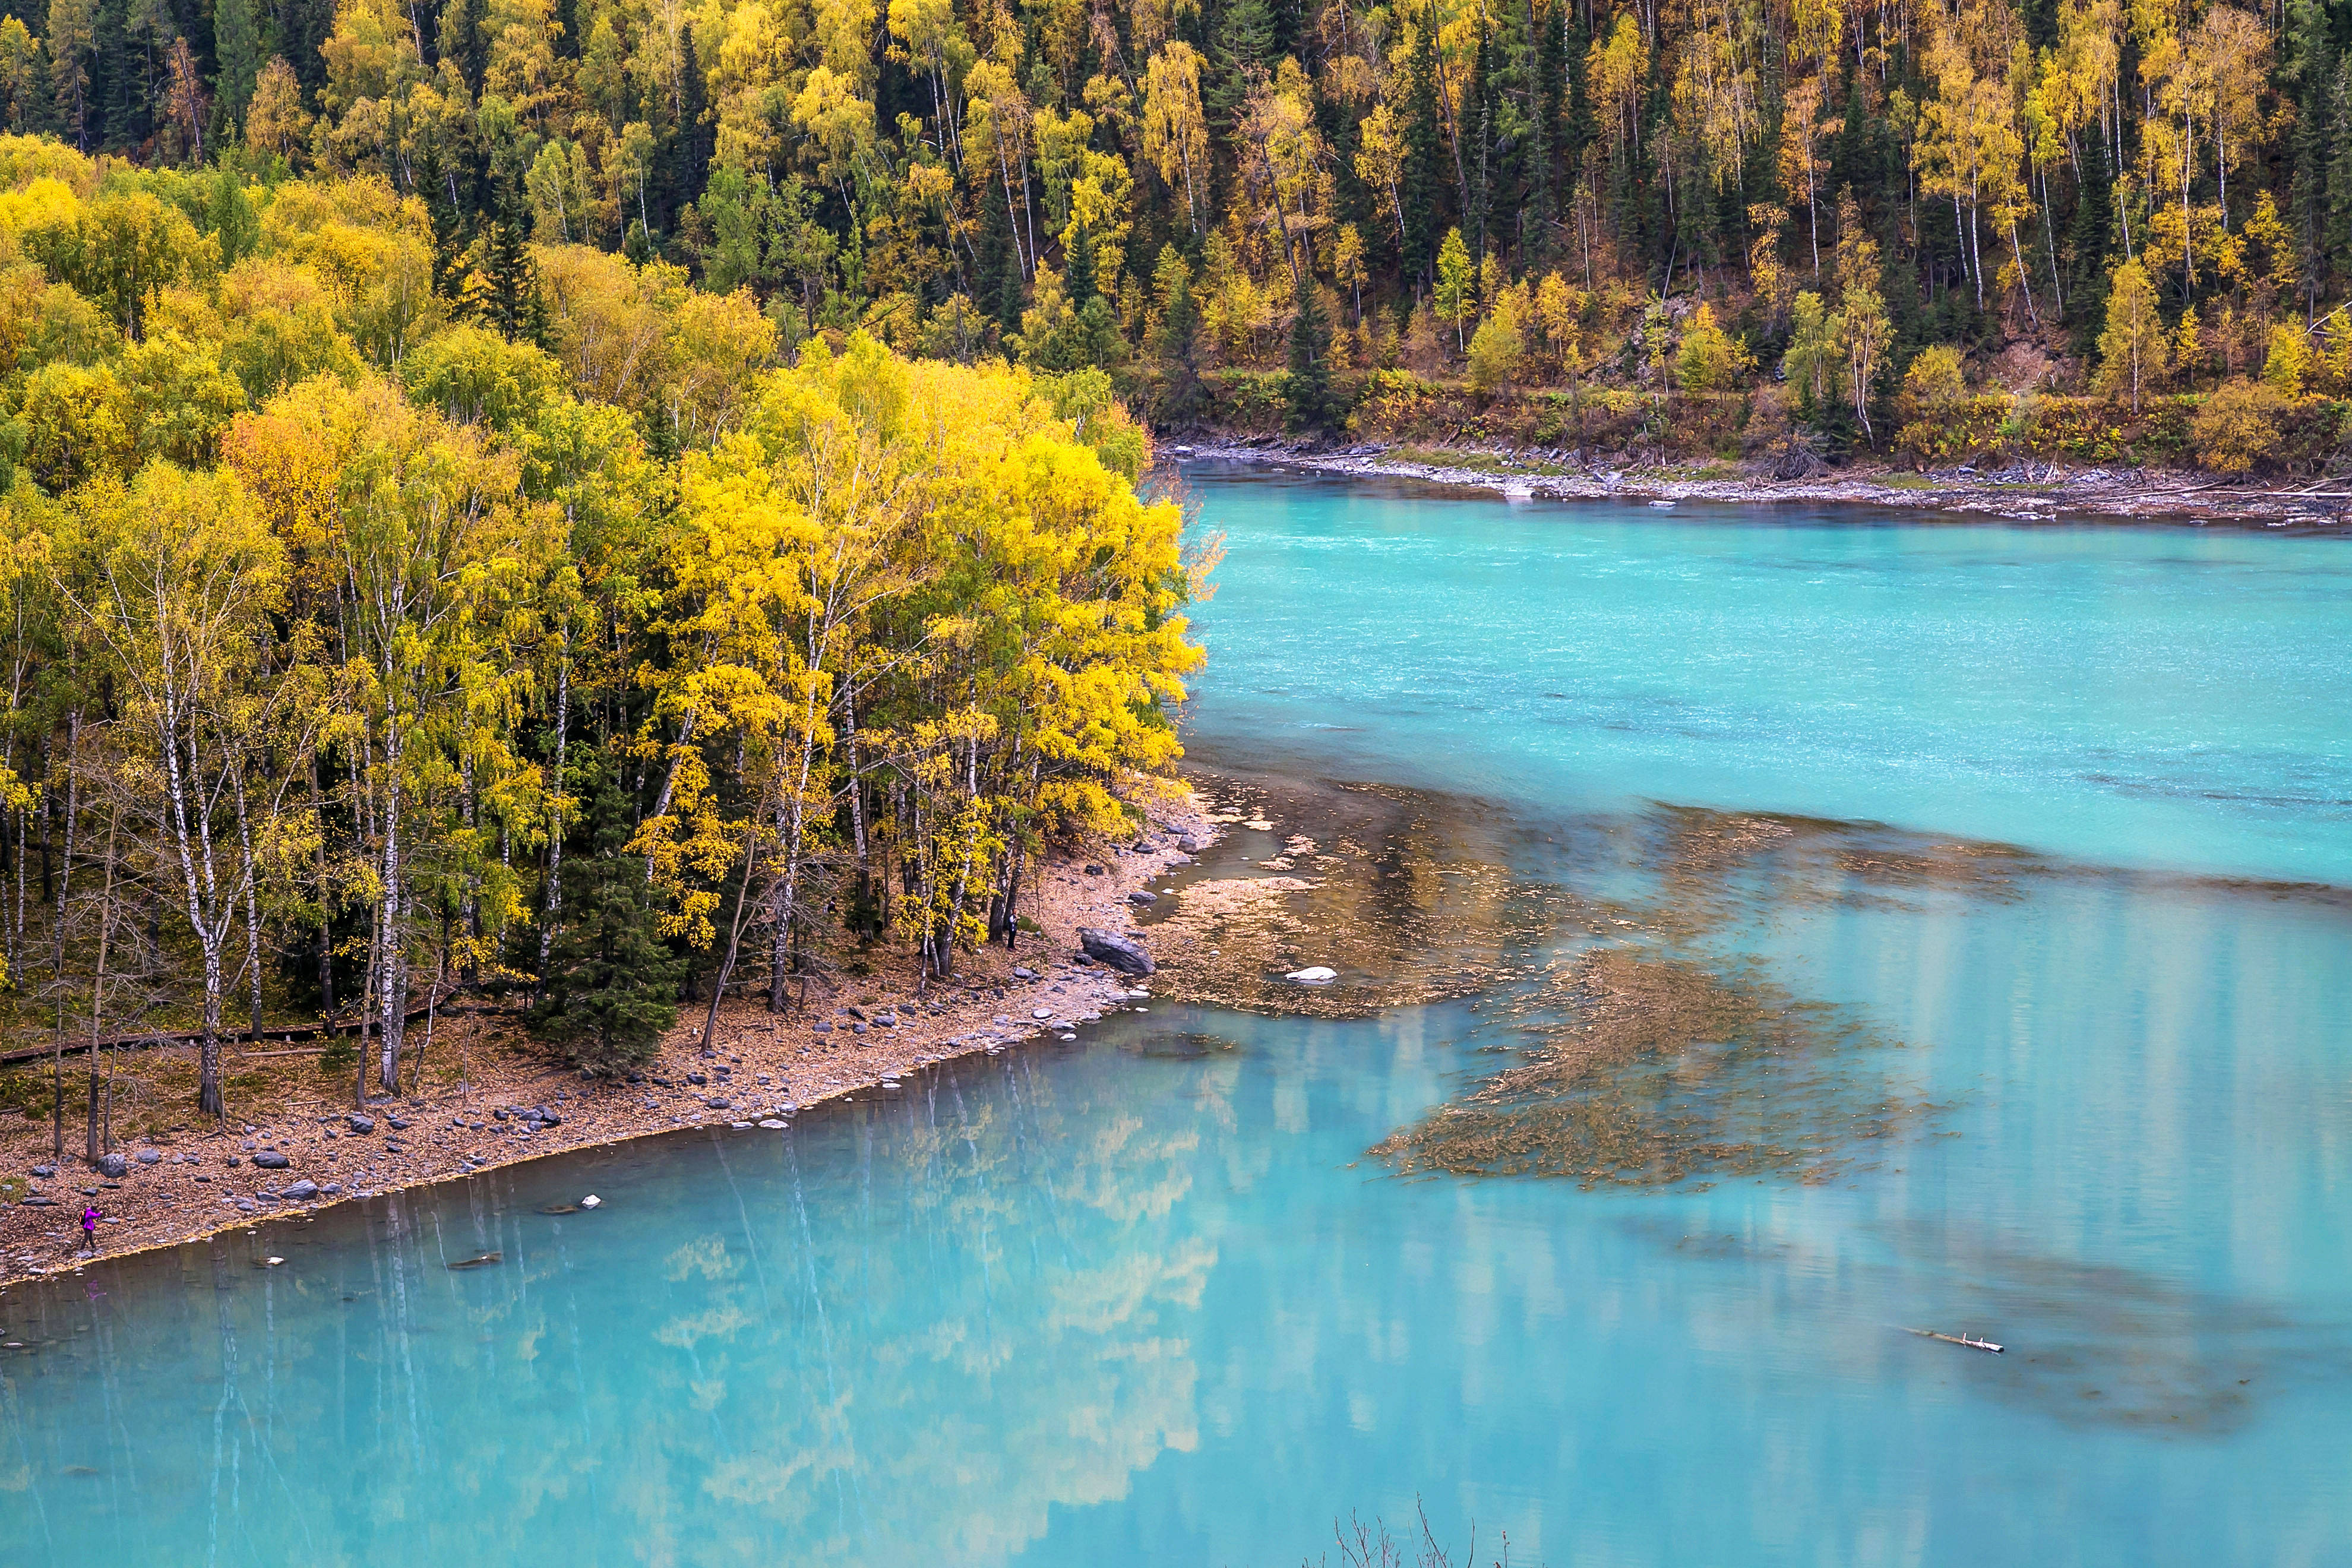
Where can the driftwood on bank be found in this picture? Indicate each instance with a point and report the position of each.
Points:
(325, 1028)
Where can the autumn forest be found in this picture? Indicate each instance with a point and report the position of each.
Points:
(597, 499)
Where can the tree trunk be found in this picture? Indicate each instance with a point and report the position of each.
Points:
(367, 1001)
(554, 903)
(734, 942)
(97, 990)
(326, 901)
(57, 938)
(392, 975)
(252, 902)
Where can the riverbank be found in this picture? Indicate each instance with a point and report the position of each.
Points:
(2036, 492)
(490, 1098)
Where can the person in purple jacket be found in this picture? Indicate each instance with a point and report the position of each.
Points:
(89, 1218)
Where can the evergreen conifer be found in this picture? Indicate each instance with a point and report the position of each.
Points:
(611, 984)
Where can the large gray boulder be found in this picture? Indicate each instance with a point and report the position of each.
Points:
(111, 1167)
(1123, 953)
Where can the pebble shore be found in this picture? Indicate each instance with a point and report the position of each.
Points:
(760, 1068)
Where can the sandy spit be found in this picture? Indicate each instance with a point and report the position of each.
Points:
(202, 1180)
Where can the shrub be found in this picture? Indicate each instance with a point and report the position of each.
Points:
(1935, 385)
(2237, 430)
(1494, 355)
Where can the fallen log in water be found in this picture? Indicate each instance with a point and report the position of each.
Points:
(1959, 1339)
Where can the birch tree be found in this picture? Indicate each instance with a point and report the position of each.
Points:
(182, 579)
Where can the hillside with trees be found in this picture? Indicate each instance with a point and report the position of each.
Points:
(2064, 227)
(534, 495)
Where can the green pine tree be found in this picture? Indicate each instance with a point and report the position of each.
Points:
(611, 982)
(2088, 239)
(1309, 383)
(230, 219)
(1481, 110)
(512, 303)
(1425, 178)
(2337, 223)
(1177, 343)
(1240, 52)
(236, 48)
(1543, 133)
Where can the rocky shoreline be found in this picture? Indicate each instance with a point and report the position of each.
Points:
(759, 1070)
(2038, 493)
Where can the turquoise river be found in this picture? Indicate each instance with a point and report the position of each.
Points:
(2031, 844)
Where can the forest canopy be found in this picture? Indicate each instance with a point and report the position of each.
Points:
(1764, 213)
(593, 494)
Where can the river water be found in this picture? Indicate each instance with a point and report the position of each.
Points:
(1992, 880)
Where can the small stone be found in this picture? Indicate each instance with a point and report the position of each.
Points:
(1024, 974)
(246, 1205)
(1094, 870)
(45, 1172)
(499, 1114)
(854, 1012)
(234, 1160)
(1140, 897)
(772, 1124)
(271, 1160)
(823, 1025)
(856, 1028)
(330, 1189)
(718, 1102)
(397, 1123)
(1313, 974)
(1042, 1013)
(590, 1201)
(299, 1191)
(698, 1079)
(149, 1156)
(359, 1123)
